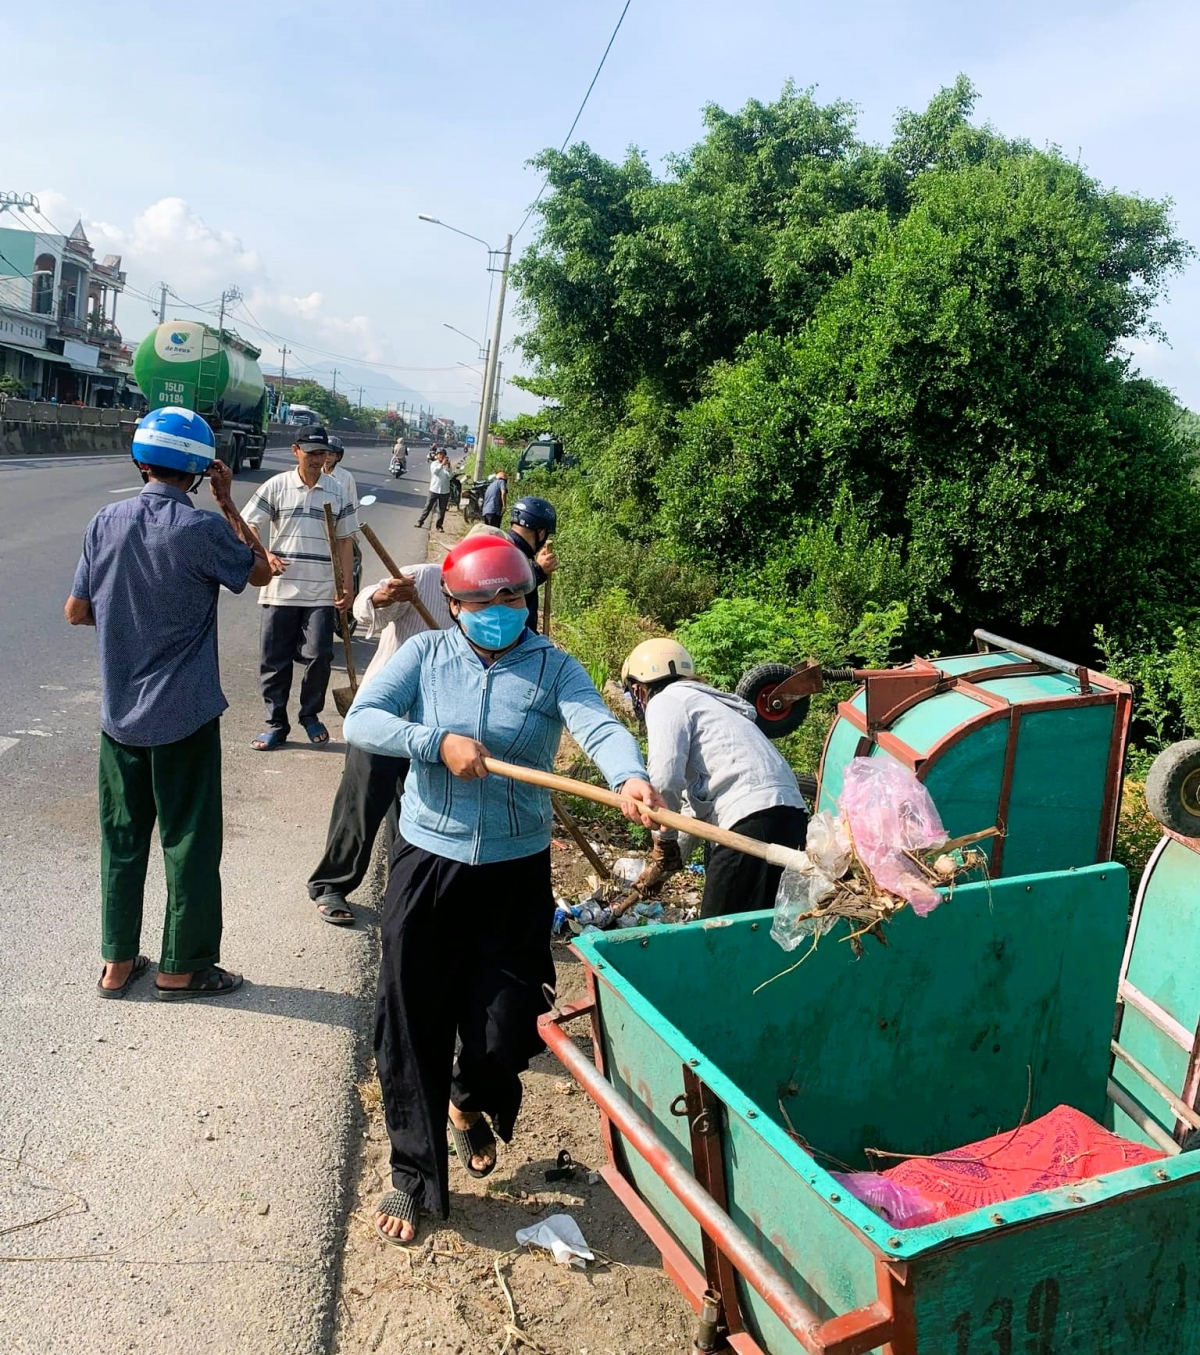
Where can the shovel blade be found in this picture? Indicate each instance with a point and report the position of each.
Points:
(343, 699)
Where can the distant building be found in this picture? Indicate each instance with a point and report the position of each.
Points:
(58, 313)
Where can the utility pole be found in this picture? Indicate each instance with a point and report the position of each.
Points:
(335, 381)
(482, 410)
(228, 297)
(360, 391)
(282, 373)
(493, 359)
(495, 418)
(162, 303)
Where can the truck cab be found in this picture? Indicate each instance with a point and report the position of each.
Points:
(543, 453)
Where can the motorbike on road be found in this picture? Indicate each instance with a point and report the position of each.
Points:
(397, 467)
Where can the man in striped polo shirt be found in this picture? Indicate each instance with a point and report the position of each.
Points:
(299, 606)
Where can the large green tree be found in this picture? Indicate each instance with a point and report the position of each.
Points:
(936, 328)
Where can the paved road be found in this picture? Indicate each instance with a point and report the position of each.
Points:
(171, 1177)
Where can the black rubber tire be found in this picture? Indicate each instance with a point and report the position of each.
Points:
(757, 684)
(255, 462)
(1173, 788)
(235, 455)
(469, 512)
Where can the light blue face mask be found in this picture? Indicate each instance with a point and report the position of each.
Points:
(495, 627)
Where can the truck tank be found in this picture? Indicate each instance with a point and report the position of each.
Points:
(187, 363)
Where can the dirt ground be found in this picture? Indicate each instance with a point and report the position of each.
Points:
(444, 1294)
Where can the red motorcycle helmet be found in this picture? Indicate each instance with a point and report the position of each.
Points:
(482, 567)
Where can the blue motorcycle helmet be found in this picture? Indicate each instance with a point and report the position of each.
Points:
(175, 439)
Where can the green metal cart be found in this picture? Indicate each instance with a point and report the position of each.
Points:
(724, 1102)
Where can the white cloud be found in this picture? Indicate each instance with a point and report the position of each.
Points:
(170, 242)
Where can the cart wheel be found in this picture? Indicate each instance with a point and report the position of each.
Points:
(1173, 788)
(469, 512)
(756, 687)
(1191, 1142)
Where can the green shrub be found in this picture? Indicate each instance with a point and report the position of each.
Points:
(602, 635)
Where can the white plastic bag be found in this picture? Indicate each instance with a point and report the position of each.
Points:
(828, 844)
(799, 892)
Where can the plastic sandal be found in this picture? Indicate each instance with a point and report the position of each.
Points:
(268, 741)
(473, 1142)
(211, 982)
(140, 965)
(398, 1204)
(317, 733)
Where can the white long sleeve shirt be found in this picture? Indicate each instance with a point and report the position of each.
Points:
(394, 624)
(439, 478)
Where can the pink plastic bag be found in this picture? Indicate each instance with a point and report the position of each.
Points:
(901, 1206)
(889, 811)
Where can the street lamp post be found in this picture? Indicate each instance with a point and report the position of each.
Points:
(493, 355)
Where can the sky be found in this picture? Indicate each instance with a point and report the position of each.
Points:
(288, 151)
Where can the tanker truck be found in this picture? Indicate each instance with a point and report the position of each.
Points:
(188, 364)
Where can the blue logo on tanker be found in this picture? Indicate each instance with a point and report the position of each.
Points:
(177, 337)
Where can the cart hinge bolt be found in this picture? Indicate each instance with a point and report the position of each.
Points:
(693, 1063)
(893, 1241)
(997, 1218)
(836, 1198)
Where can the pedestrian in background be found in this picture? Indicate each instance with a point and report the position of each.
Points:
(149, 580)
(334, 467)
(299, 607)
(495, 500)
(439, 490)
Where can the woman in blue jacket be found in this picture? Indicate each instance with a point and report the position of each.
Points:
(469, 905)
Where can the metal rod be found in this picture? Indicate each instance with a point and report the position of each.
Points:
(1142, 1118)
(339, 584)
(1033, 655)
(1153, 1013)
(754, 1267)
(1179, 1106)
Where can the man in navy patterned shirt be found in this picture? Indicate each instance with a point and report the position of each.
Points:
(148, 580)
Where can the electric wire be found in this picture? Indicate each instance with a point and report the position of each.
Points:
(578, 115)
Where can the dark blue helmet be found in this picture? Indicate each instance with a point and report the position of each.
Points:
(536, 514)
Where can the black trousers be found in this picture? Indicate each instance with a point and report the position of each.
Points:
(737, 883)
(367, 791)
(492, 519)
(438, 501)
(465, 955)
(291, 635)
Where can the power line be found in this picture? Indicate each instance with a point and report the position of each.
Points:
(578, 115)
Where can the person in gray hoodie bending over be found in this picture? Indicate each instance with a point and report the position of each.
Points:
(704, 746)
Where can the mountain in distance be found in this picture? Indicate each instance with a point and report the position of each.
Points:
(379, 389)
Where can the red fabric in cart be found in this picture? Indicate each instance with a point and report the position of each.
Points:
(1061, 1149)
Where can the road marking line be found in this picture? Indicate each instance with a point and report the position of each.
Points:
(133, 489)
(6, 744)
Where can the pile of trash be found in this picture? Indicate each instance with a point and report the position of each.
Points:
(885, 850)
(597, 907)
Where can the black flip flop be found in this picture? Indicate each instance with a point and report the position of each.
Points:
(140, 965)
(399, 1204)
(469, 1143)
(211, 982)
(338, 905)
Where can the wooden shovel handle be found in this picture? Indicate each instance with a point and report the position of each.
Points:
(394, 570)
(339, 584)
(666, 818)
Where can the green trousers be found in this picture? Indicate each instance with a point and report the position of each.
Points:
(179, 785)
